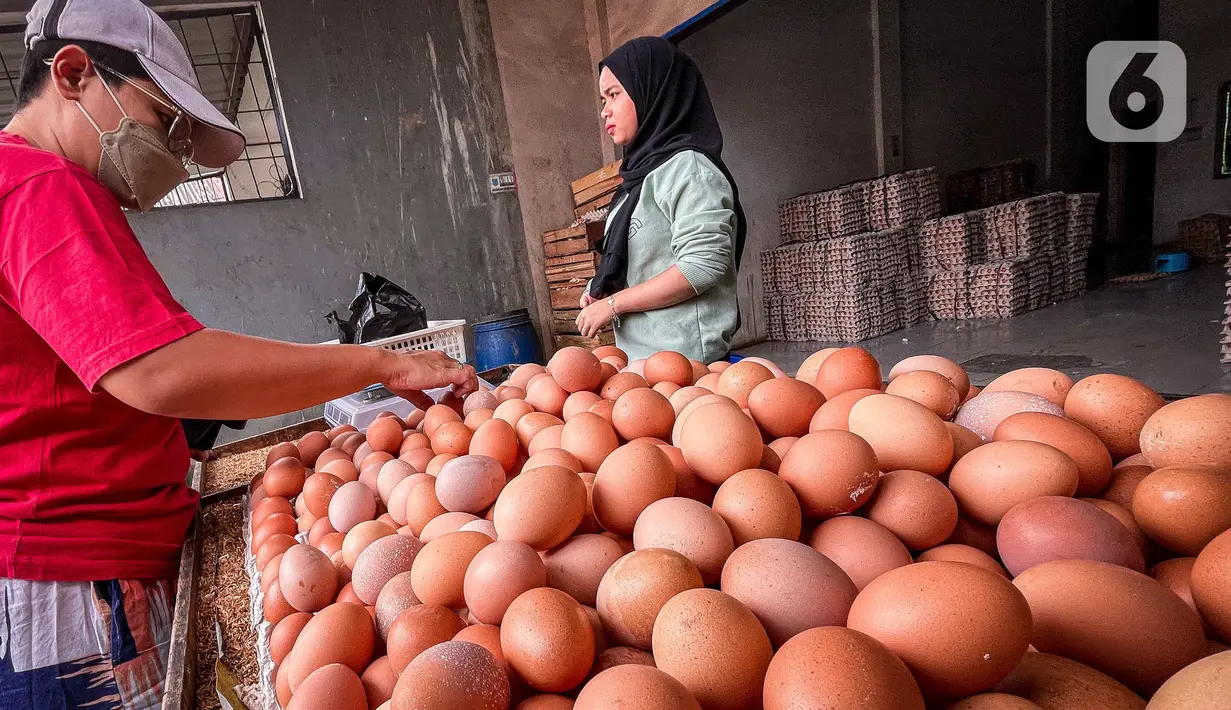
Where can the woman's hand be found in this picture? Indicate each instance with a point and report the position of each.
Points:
(587, 299)
(409, 373)
(594, 317)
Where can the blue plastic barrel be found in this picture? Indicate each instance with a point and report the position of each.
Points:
(505, 339)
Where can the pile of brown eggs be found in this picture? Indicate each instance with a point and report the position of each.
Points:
(660, 535)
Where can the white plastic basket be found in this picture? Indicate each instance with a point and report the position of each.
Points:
(448, 336)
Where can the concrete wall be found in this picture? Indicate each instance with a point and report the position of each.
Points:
(974, 82)
(1184, 185)
(791, 84)
(628, 19)
(396, 117)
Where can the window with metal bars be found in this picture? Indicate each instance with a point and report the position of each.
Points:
(228, 50)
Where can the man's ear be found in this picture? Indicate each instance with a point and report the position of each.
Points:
(71, 70)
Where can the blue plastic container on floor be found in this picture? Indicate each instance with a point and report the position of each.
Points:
(1170, 263)
(505, 339)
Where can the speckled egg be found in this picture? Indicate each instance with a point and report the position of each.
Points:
(395, 597)
(836, 667)
(547, 638)
(635, 687)
(634, 590)
(307, 578)
(915, 507)
(983, 413)
(1115, 408)
(541, 507)
(453, 674)
(831, 472)
(756, 504)
(497, 575)
(690, 528)
(628, 481)
(738, 381)
(381, 561)
(577, 565)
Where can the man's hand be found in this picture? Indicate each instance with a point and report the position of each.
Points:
(409, 373)
(594, 317)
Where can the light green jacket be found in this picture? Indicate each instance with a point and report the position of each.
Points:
(685, 217)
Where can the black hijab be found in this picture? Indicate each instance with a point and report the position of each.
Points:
(674, 114)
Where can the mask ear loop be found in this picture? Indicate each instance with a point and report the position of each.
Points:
(109, 93)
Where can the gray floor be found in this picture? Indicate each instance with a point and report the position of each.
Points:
(1164, 333)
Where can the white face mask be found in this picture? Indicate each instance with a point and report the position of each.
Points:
(135, 164)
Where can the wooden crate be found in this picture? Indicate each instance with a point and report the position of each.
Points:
(187, 647)
(572, 241)
(603, 174)
(590, 258)
(595, 204)
(567, 297)
(604, 338)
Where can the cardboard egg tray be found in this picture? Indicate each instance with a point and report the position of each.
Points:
(952, 242)
(997, 290)
(890, 202)
(796, 218)
(990, 185)
(1225, 341)
(1205, 237)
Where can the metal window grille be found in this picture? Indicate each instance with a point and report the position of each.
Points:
(229, 53)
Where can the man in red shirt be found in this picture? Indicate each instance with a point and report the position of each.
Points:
(98, 362)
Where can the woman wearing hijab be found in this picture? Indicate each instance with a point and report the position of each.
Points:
(676, 230)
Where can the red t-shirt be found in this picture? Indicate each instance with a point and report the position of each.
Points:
(90, 488)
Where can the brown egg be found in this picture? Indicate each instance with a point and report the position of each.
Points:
(541, 508)
(993, 701)
(636, 587)
(523, 373)
(395, 597)
(337, 431)
(1115, 408)
(621, 383)
(812, 364)
(848, 369)
(603, 408)
(511, 411)
(962, 553)
(1211, 584)
(439, 570)
(835, 667)
(694, 405)
(576, 566)
(284, 477)
(351, 444)
(620, 656)
(331, 687)
(1203, 685)
(505, 393)
(360, 537)
(352, 503)
(1126, 519)
(548, 640)
(331, 544)
(904, 434)
(469, 484)
(666, 389)
(784, 407)
(628, 481)
(739, 380)
(378, 680)
(486, 527)
(310, 446)
(382, 560)
(575, 369)
(959, 628)
(577, 403)
(478, 418)
(1051, 528)
(1051, 385)
(863, 549)
(282, 638)
(347, 595)
(710, 382)
(916, 507)
(1087, 451)
(668, 366)
(435, 416)
(831, 472)
(767, 364)
(417, 629)
(531, 425)
(479, 399)
(770, 461)
(546, 396)
(369, 473)
(553, 457)
(993, 478)
(496, 439)
(1057, 683)
(391, 474)
(1176, 575)
(1123, 485)
(690, 528)
(344, 470)
(330, 455)
(984, 413)
(836, 412)
(718, 442)
(307, 578)
(687, 484)
(339, 633)
(964, 440)
(385, 434)
(939, 365)
(497, 575)
(783, 445)
(446, 523)
(1183, 507)
(715, 646)
(590, 438)
(273, 546)
(422, 506)
(453, 674)
(452, 438)
(789, 586)
(756, 504)
(642, 412)
(268, 507)
(270, 571)
(635, 687)
(686, 395)
(275, 606)
(438, 462)
(283, 450)
(930, 389)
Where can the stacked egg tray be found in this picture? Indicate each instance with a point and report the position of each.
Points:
(891, 202)
(1204, 237)
(988, 186)
(1225, 341)
(953, 242)
(1082, 210)
(998, 290)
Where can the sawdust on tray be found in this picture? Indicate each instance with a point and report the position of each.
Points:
(232, 470)
(222, 596)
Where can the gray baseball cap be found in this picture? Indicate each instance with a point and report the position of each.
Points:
(133, 27)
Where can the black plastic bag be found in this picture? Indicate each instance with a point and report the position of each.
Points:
(381, 309)
(201, 433)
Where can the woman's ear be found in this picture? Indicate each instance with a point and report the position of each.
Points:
(71, 71)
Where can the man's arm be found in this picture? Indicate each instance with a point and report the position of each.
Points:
(213, 374)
